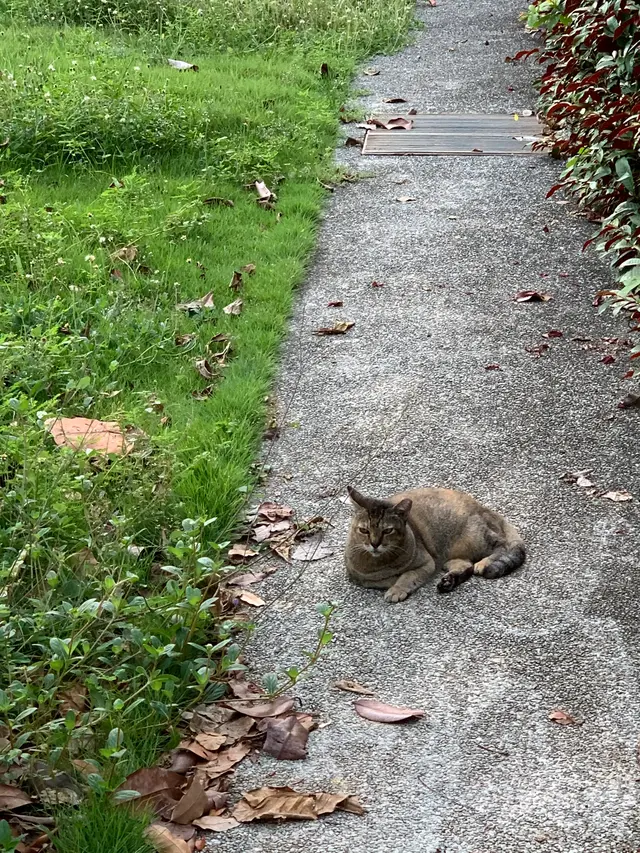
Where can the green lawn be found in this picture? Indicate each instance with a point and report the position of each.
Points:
(110, 155)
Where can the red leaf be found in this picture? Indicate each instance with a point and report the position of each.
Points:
(608, 359)
(563, 719)
(492, 367)
(552, 333)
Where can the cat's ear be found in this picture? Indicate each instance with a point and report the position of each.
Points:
(403, 507)
(360, 500)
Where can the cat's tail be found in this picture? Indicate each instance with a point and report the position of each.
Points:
(508, 557)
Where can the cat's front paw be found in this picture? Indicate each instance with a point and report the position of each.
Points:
(394, 595)
(447, 583)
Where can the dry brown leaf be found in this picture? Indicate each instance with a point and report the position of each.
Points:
(210, 742)
(236, 729)
(204, 368)
(149, 781)
(203, 393)
(165, 841)
(196, 306)
(126, 253)
(272, 511)
(284, 803)
(246, 579)
(563, 719)
(224, 761)
(249, 269)
(531, 296)
(630, 401)
(286, 739)
(216, 823)
(335, 303)
(618, 497)
(395, 123)
(371, 72)
(262, 709)
(262, 532)
(405, 198)
(552, 333)
(380, 712)
(89, 434)
(183, 340)
(312, 549)
(182, 66)
(13, 798)
(353, 687)
(337, 329)
(394, 100)
(238, 553)
(236, 281)
(73, 699)
(264, 193)
(234, 307)
(249, 597)
(193, 805)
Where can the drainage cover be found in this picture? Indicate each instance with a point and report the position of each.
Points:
(466, 135)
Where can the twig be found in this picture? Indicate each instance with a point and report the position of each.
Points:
(493, 749)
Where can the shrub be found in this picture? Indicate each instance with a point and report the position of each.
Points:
(590, 96)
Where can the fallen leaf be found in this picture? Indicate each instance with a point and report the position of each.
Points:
(203, 393)
(196, 306)
(531, 296)
(608, 359)
(244, 689)
(353, 687)
(336, 303)
(380, 712)
(164, 841)
(285, 803)
(183, 340)
(236, 729)
(337, 329)
(224, 761)
(236, 281)
(89, 434)
(403, 199)
(216, 200)
(312, 549)
(233, 307)
(371, 72)
(271, 511)
(216, 823)
(193, 804)
(150, 780)
(250, 598)
(204, 368)
(546, 229)
(563, 719)
(394, 100)
(352, 142)
(264, 193)
(552, 333)
(13, 798)
(395, 123)
(182, 66)
(211, 742)
(248, 578)
(377, 284)
(618, 497)
(492, 367)
(286, 739)
(249, 269)
(73, 699)
(630, 401)
(238, 553)
(260, 710)
(584, 482)
(127, 253)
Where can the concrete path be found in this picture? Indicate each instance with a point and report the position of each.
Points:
(403, 400)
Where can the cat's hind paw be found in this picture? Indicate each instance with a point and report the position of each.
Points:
(447, 583)
(394, 595)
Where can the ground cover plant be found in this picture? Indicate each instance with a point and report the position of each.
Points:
(590, 96)
(154, 221)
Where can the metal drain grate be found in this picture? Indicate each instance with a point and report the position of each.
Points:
(457, 135)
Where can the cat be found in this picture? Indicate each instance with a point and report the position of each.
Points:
(396, 544)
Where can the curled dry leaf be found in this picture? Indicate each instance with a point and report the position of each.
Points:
(196, 306)
(264, 193)
(285, 803)
(204, 368)
(353, 687)
(394, 100)
(165, 841)
(248, 597)
(193, 804)
(335, 303)
(210, 741)
(552, 333)
(236, 281)
(224, 761)
(380, 712)
(371, 72)
(203, 393)
(618, 497)
(182, 66)
(217, 201)
(260, 710)
(272, 511)
(492, 367)
(249, 269)
(90, 434)
(563, 719)
(337, 329)
(286, 739)
(247, 578)
(233, 307)
(312, 549)
(238, 553)
(216, 823)
(403, 199)
(608, 359)
(532, 296)
(377, 284)
(183, 340)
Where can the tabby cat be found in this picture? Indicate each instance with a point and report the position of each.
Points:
(396, 544)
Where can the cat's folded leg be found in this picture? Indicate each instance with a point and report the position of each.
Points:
(457, 571)
(409, 582)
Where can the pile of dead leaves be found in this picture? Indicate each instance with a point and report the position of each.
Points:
(190, 792)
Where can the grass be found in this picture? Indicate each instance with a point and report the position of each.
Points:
(110, 619)
(101, 827)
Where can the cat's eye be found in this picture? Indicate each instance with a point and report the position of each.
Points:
(363, 529)
(388, 530)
